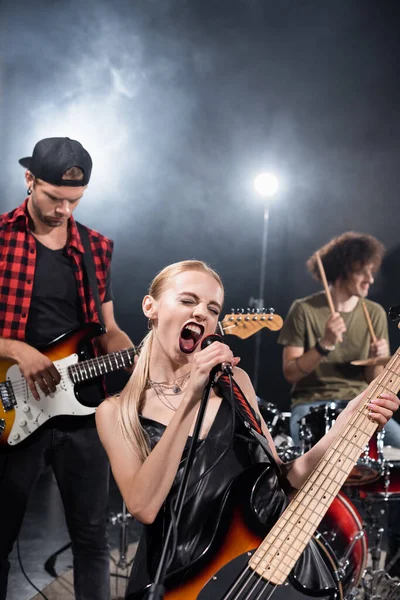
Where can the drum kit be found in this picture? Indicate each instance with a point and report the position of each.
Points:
(352, 533)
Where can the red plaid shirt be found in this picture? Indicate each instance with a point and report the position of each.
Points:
(17, 270)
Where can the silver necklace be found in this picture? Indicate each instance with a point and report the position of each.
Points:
(176, 386)
(163, 398)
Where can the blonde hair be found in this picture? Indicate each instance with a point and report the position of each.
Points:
(132, 396)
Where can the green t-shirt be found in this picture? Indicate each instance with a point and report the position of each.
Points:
(334, 378)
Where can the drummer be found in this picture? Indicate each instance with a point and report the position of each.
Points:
(319, 345)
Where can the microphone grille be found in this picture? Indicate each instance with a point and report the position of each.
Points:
(210, 339)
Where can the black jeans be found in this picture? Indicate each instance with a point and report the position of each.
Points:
(73, 449)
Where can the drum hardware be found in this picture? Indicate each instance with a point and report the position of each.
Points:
(344, 562)
(378, 585)
(393, 561)
(329, 535)
(121, 519)
(305, 436)
(330, 414)
(386, 480)
(354, 593)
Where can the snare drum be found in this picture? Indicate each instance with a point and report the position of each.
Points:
(369, 466)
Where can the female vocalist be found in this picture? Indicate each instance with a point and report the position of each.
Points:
(145, 430)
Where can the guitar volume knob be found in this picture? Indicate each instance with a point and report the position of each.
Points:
(15, 436)
(22, 423)
(26, 408)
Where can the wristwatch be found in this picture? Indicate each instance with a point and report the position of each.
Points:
(323, 349)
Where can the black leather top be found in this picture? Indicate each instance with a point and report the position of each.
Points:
(199, 514)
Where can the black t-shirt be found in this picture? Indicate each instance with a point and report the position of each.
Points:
(55, 305)
(55, 309)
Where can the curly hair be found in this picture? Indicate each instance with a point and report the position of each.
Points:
(346, 254)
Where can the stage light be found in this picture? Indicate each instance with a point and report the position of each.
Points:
(266, 185)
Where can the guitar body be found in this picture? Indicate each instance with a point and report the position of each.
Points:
(20, 413)
(222, 572)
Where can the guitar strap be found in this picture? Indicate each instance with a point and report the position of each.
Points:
(250, 420)
(90, 270)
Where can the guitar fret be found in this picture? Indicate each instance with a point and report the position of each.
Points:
(95, 367)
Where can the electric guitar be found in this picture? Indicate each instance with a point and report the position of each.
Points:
(21, 414)
(244, 324)
(236, 566)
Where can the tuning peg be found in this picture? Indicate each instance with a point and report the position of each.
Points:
(271, 311)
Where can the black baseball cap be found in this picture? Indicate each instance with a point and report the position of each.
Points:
(51, 157)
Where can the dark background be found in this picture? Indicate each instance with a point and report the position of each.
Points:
(181, 103)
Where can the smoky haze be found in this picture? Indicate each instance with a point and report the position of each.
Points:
(181, 103)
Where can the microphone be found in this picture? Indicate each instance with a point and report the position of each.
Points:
(210, 339)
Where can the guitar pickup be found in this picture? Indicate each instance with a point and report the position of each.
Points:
(7, 395)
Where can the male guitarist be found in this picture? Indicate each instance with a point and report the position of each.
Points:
(45, 292)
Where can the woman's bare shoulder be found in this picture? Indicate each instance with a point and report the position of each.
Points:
(108, 409)
(241, 377)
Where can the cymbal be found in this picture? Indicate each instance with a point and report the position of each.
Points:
(374, 362)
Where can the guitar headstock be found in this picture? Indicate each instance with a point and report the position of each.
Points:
(394, 314)
(244, 324)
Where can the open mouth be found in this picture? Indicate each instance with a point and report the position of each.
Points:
(190, 337)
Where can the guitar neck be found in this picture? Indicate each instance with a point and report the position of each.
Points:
(278, 553)
(101, 365)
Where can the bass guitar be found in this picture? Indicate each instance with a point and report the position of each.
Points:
(236, 566)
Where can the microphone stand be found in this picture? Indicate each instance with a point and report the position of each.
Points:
(157, 589)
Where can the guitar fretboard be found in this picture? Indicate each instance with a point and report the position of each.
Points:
(278, 553)
(94, 367)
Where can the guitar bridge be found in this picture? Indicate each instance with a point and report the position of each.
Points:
(7, 396)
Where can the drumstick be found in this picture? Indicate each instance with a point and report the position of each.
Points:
(326, 286)
(369, 322)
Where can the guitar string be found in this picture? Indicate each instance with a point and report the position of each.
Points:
(249, 592)
(81, 368)
(358, 416)
(252, 588)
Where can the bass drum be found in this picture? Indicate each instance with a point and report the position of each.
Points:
(343, 543)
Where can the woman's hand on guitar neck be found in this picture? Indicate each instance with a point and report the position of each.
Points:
(380, 409)
(37, 369)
